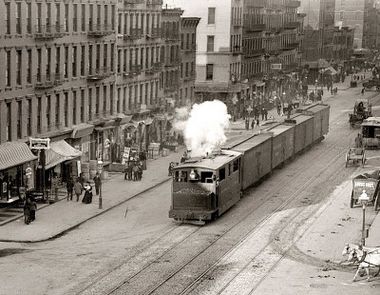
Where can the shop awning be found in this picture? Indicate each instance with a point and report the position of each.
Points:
(123, 119)
(14, 153)
(82, 130)
(59, 152)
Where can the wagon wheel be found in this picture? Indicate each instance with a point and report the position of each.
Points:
(376, 204)
(352, 201)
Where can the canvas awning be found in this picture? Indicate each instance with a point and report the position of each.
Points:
(59, 152)
(14, 153)
(82, 130)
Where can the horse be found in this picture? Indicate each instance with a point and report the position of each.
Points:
(366, 257)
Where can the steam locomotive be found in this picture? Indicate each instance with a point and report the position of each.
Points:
(204, 188)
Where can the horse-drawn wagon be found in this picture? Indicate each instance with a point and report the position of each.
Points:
(355, 156)
(370, 183)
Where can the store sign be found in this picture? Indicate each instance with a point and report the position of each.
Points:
(125, 157)
(39, 143)
(276, 66)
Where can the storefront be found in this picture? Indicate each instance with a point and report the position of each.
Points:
(17, 170)
(61, 163)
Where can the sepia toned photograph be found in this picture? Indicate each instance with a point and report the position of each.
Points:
(189, 147)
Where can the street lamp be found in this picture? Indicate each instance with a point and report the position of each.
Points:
(364, 200)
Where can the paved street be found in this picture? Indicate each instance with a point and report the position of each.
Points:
(284, 237)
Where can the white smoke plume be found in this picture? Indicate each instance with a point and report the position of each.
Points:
(204, 128)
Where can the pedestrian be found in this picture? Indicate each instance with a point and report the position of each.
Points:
(257, 122)
(78, 188)
(87, 198)
(363, 90)
(253, 124)
(246, 124)
(265, 114)
(70, 188)
(97, 182)
(135, 170)
(81, 179)
(262, 113)
(30, 208)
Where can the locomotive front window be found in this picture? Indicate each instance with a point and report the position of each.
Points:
(222, 174)
(181, 176)
(206, 176)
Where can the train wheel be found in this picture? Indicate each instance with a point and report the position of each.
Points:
(352, 202)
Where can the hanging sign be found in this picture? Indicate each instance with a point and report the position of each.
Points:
(39, 143)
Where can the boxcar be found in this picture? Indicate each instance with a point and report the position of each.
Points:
(282, 143)
(303, 132)
(321, 114)
(204, 188)
(256, 158)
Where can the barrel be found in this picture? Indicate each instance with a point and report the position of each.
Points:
(92, 173)
(93, 164)
(85, 167)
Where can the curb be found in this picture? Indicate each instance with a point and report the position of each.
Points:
(83, 221)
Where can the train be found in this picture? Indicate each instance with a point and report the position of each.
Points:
(203, 188)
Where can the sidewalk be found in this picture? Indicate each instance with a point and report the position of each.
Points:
(63, 216)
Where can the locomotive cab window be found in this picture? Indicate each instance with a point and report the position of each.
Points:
(206, 176)
(236, 165)
(222, 174)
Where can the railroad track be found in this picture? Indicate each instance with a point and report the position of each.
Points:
(90, 288)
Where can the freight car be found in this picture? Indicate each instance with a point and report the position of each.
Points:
(204, 188)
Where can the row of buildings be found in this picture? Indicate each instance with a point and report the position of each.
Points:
(97, 76)
(90, 76)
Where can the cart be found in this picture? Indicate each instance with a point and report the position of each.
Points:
(356, 156)
(370, 183)
(362, 111)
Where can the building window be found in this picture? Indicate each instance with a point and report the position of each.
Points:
(98, 18)
(18, 17)
(29, 66)
(90, 104)
(210, 43)
(29, 119)
(113, 17)
(211, 15)
(57, 60)
(83, 23)
(97, 61)
(48, 63)
(39, 58)
(106, 17)
(97, 100)
(118, 99)
(18, 67)
(39, 110)
(105, 99)
(82, 61)
(111, 100)
(9, 122)
(48, 17)
(7, 18)
(209, 72)
(8, 69)
(112, 53)
(19, 119)
(57, 108)
(38, 29)
(75, 104)
(75, 19)
(57, 17)
(90, 59)
(74, 61)
(91, 19)
(82, 98)
(29, 18)
(65, 65)
(66, 108)
(48, 111)
(105, 56)
(66, 17)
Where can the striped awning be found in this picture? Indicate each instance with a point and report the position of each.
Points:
(59, 152)
(14, 153)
